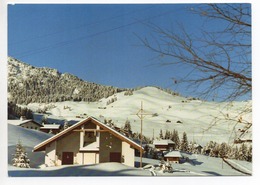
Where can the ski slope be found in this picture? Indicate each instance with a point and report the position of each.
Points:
(198, 118)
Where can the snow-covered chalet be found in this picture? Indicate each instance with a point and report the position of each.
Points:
(88, 142)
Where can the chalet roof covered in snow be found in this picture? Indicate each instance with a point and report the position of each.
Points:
(173, 154)
(163, 142)
(41, 146)
(50, 126)
(19, 122)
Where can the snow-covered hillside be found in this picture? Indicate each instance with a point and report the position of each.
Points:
(29, 138)
(202, 121)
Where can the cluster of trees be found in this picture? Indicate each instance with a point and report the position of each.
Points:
(111, 100)
(15, 111)
(44, 85)
(180, 144)
(224, 150)
(129, 93)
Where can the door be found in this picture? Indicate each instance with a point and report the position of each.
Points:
(67, 158)
(115, 157)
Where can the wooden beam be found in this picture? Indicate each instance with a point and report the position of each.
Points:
(90, 130)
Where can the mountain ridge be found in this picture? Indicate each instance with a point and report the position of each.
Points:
(28, 84)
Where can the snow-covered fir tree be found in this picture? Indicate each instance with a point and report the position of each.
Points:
(175, 138)
(65, 125)
(127, 128)
(184, 143)
(243, 152)
(235, 153)
(223, 150)
(20, 157)
(167, 134)
(45, 120)
(161, 134)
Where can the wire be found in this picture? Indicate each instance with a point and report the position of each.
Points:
(61, 44)
(80, 26)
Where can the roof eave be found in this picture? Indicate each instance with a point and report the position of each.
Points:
(42, 145)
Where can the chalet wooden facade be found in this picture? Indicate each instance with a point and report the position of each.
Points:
(163, 145)
(173, 157)
(88, 142)
(26, 123)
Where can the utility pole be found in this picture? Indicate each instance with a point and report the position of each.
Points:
(141, 114)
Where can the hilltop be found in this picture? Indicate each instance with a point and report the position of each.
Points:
(202, 121)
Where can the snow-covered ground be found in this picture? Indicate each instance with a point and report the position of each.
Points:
(198, 165)
(102, 169)
(201, 165)
(29, 139)
(198, 118)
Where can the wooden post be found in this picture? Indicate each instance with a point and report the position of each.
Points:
(141, 114)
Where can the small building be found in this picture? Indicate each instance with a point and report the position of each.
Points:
(198, 148)
(88, 142)
(173, 157)
(51, 128)
(164, 144)
(25, 123)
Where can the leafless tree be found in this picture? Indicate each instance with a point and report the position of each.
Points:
(220, 60)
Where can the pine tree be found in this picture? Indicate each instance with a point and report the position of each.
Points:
(249, 154)
(161, 134)
(243, 152)
(223, 150)
(191, 147)
(167, 134)
(175, 138)
(214, 152)
(65, 125)
(20, 157)
(184, 142)
(45, 120)
(236, 153)
(127, 128)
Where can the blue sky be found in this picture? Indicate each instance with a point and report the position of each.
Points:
(98, 43)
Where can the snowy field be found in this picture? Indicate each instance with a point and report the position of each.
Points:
(197, 118)
(198, 165)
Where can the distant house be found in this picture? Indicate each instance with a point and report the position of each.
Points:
(51, 128)
(88, 142)
(173, 157)
(25, 123)
(198, 148)
(164, 144)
